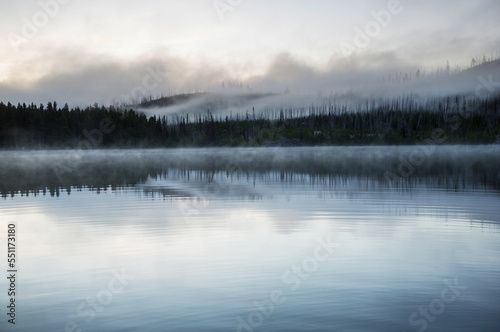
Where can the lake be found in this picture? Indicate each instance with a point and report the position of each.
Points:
(259, 239)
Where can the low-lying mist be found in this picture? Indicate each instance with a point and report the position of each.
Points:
(356, 90)
(436, 167)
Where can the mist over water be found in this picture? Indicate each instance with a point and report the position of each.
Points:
(398, 168)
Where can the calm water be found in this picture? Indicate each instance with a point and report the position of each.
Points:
(296, 239)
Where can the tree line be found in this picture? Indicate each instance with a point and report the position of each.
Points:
(399, 121)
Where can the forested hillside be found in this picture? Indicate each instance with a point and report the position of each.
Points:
(400, 121)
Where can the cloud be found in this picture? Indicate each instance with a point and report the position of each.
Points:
(96, 52)
(82, 79)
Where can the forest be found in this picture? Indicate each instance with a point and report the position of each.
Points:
(402, 121)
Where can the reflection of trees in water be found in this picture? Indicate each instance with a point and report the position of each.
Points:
(220, 170)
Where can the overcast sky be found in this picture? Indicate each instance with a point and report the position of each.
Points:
(95, 51)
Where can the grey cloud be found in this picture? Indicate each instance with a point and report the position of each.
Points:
(82, 79)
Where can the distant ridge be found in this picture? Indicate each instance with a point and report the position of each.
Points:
(210, 99)
(487, 66)
(171, 100)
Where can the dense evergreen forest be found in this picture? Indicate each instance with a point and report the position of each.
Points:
(400, 121)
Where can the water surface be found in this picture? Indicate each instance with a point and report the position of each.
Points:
(206, 239)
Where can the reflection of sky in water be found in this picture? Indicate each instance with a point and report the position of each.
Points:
(203, 249)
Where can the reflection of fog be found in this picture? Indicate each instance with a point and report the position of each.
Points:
(231, 172)
(196, 184)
